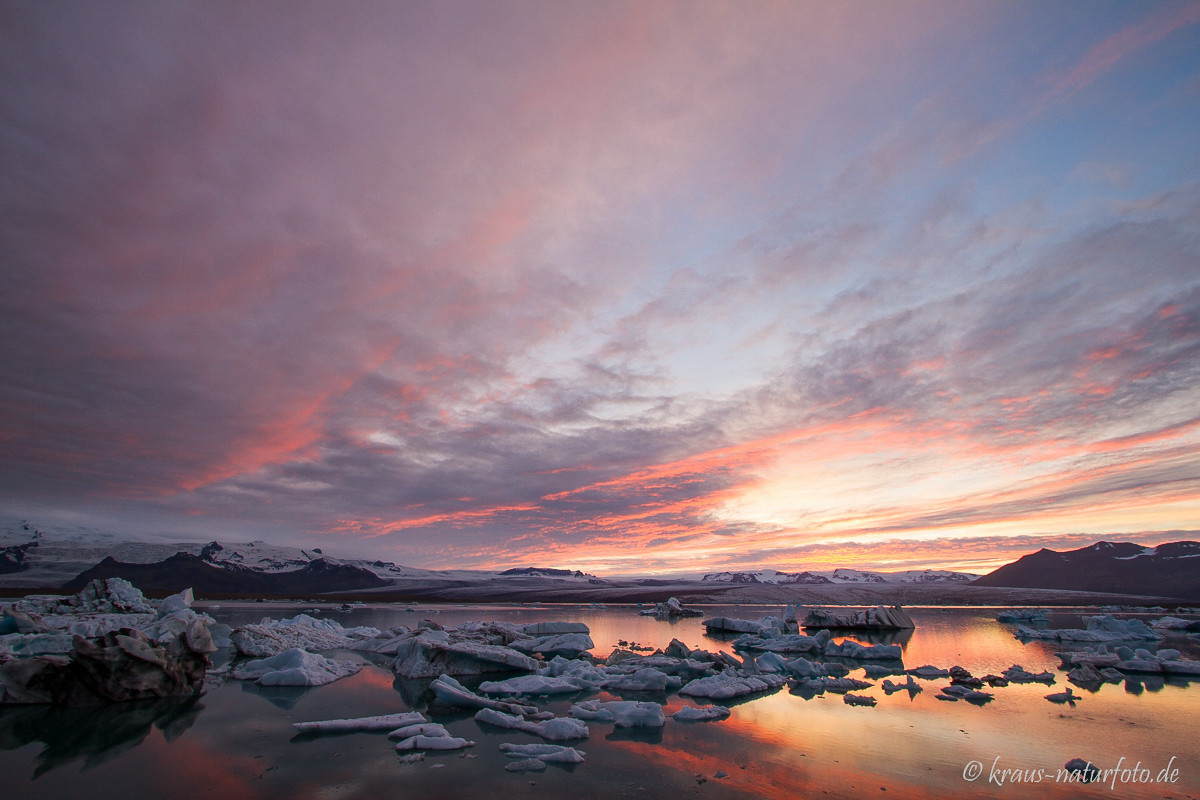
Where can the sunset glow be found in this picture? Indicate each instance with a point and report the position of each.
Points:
(622, 287)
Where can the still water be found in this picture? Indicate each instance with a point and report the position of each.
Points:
(237, 741)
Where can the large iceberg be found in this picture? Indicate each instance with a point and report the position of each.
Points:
(271, 637)
(883, 618)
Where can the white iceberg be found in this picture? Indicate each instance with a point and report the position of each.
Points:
(530, 685)
(453, 693)
(385, 722)
(295, 667)
(728, 685)
(546, 753)
(420, 742)
(558, 729)
(700, 713)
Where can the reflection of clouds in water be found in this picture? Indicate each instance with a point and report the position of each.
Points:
(95, 734)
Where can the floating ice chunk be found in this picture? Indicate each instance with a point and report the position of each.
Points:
(1181, 666)
(1172, 623)
(910, 686)
(526, 765)
(670, 608)
(434, 743)
(1103, 628)
(844, 684)
(878, 618)
(453, 693)
(419, 729)
(728, 685)
(624, 713)
(770, 662)
(272, 637)
(1086, 770)
(787, 643)
(1018, 674)
(803, 668)
(559, 729)
(385, 722)
(727, 624)
(858, 700)
(1021, 615)
(530, 684)
(1064, 697)
(295, 667)
(566, 644)
(700, 713)
(930, 672)
(646, 679)
(850, 649)
(549, 628)
(547, 753)
(592, 711)
(433, 653)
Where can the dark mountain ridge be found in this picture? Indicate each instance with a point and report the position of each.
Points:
(1169, 570)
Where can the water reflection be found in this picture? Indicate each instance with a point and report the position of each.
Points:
(95, 734)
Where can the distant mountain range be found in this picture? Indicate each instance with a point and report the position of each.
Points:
(840, 576)
(64, 556)
(1169, 570)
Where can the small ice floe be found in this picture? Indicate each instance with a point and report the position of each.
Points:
(384, 722)
(858, 700)
(452, 693)
(729, 684)
(929, 672)
(910, 686)
(959, 692)
(1018, 674)
(526, 765)
(546, 753)
(412, 758)
(419, 729)
(295, 667)
(530, 685)
(700, 714)
(558, 729)
(1064, 697)
(782, 643)
(571, 645)
(874, 671)
(535, 629)
(447, 742)
(624, 713)
(731, 625)
(646, 679)
(803, 668)
(840, 685)
(670, 609)
(1174, 624)
(770, 662)
(850, 649)
(1014, 615)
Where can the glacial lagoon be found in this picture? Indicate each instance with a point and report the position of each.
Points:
(237, 740)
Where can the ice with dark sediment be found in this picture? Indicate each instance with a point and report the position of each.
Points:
(858, 700)
(670, 608)
(960, 692)
(380, 723)
(878, 618)
(1064, 697)
(1018, 674)
(910, 686)
(929, 672)
(295, 667)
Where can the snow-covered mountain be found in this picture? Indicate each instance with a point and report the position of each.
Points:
(39, 555)
(840, 576)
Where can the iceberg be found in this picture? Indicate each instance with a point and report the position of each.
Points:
(536, 629)
(295, 667)
(419, 729)
(531, 685)
(700, 713)
(385, 722)
(623, 713)
(420, 742)
(727, 685)
(452, 693)
(546, 753)
(564, 644)
(881, 618)
(558, 729)
(272, 637)
(858, 700)
(431, 653)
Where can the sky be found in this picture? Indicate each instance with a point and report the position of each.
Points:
(633, 288)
